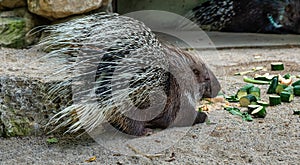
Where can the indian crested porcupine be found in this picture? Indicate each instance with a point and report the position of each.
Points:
(265, 16)
(125, 76)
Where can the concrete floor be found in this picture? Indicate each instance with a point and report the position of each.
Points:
(272, 140)
(221, 40)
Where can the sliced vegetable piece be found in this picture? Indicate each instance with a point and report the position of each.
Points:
(251, 80)
(265, 77)
(241, 93)
(234, 110)
(259, 112)
(252, 108)
(248, 87)
(255, 91)
(280, 88)
(275, 66)
(286, 96)
(263, 103)
(258, 68)
(273, 85)
(232, 98)
(274, 100)
(253, 103)
(289, 89)
(243, 73)
(296, 83)
(297, 90)
(287, 76)
(247, 117)
(237, 111)
(247, 100)
(244, 91)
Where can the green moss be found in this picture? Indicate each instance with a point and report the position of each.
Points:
(12, 32)
(13, 124)
(18, 127)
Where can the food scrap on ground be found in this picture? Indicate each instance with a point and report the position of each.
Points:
(250, 71)
(237, 111)
(52, 140)
(92, 159)
(280, 89)
(275, 66)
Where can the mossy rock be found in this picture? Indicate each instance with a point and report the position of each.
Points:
(26, 105)
(12, 124)
(15, 27)
(12, 32)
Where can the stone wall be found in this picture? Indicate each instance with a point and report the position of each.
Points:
(18, 17)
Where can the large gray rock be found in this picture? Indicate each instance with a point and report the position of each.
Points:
(54, 9)
(25, 103)
(24, 107)
(12, 3)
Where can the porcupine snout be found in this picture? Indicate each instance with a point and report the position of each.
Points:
(212, 85)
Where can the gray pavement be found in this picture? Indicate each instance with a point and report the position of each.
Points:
(221, 40)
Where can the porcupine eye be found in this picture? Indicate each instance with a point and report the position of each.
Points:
(196, 72)
(200, 76)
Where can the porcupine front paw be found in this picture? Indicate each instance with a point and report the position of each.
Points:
(137, 128)
(201, 118)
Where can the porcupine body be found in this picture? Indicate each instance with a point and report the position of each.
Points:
(126, 77)
(265, 16)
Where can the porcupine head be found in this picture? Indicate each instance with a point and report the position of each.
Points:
(125, 76)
